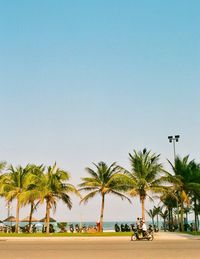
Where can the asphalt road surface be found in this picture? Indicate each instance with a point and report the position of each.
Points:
(117, 249)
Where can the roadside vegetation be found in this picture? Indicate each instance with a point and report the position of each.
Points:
(177, 190)
(67, 234)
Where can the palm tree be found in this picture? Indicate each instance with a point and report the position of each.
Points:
(53, 186)
(169, 200)
(103, 181)
(164, 214)
(196, 209)
(12, 184)
(157, 211)
(186, 174)
(145, 176)
(31, 195)
(152, 215)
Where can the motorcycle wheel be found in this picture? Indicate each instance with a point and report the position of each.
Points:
(151, 237)
(133, 237)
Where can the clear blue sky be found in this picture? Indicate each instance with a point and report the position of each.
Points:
(85, 81)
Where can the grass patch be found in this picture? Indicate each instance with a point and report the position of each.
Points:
(104, 234)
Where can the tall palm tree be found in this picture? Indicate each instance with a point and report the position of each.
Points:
(144, 176)
(11, 187)
(103, 181)
(185, 172)
(30, 194)
(53, 186)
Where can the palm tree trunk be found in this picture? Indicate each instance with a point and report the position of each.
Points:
(186, 217)
(142, 199)
(153, 221)
(30, 217)
(157, 220)
(182, 211)
(172, 217)
(47, 216)
(17, 217)
(102, 210)
(169, 220)
(178, 217)
(164, 224)
(195, 215)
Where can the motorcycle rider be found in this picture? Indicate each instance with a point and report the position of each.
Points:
(144, 228)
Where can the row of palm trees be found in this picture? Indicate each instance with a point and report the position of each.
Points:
(33, 185)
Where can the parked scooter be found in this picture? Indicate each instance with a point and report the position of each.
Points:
(143, 235)
(127, 228)
(71, 228)
(122, 228)
(117, 228)
(77, 228)
(156, 229)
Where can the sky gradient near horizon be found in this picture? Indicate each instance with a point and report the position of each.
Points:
(88, 81)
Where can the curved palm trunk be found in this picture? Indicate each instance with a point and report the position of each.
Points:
(47, 216)
(102, 211)
(142, 200)
(30, 216)
(17, 217)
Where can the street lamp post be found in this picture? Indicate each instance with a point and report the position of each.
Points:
(174, 139)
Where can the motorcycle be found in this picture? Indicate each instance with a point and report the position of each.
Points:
(122, 228)
(156, 229)
(71, 228)
(127, 228)
(117, 228)
(77, 228)
(141, 235)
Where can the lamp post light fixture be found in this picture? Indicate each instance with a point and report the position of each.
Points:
(174, 139)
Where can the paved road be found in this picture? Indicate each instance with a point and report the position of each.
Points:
(117, 249)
